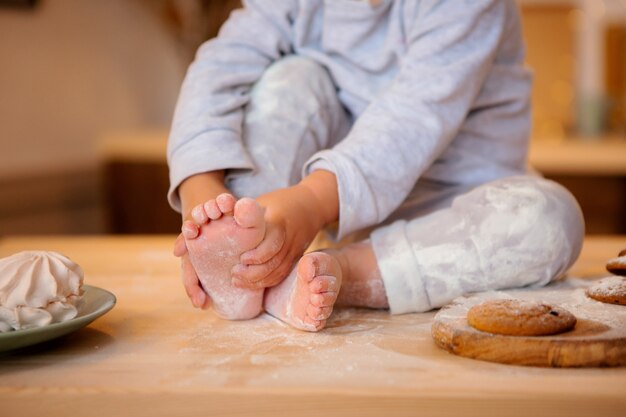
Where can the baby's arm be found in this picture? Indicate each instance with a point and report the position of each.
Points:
(206, 131)
(450, 51)
(294, 216)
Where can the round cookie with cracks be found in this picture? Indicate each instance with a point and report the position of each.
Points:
(520, 318)
(610, 290)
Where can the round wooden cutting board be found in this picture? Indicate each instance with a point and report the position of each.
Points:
(599, 338)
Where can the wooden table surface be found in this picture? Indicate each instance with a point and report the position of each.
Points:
(154, 355)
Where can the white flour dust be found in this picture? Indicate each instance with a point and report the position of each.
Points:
(357, 345)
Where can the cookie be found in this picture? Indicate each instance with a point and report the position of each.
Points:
(617, 265)
(520, 318)
(610, 290)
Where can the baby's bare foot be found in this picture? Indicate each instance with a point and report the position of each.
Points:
(221, 230)
(305, 299)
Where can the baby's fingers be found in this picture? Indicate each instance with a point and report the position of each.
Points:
(180, 248)
(196, 294)
(271, 245)
(265, 275)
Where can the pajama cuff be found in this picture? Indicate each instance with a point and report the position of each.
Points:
(400, 270)
(211, 151)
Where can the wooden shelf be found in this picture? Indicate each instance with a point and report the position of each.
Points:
(584, 157)
(147, 146)
(575, 156)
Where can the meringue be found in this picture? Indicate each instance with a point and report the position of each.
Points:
(38, 288)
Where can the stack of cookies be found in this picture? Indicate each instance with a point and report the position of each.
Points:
(612, 290)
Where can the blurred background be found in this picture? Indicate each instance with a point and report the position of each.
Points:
(88, 88)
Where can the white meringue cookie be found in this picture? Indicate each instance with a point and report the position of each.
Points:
(38, 288)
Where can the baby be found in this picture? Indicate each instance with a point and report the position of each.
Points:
(403, 124)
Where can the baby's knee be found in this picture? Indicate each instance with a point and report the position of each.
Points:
(562, 209)
(548, 204)
(529, 197)
(294, 65)
(537, 216)
(293, 75)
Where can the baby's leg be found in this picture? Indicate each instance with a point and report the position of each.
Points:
(293, 112)
(305, 299)
(225, 228)
(510, 233)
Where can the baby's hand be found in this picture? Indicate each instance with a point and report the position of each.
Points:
(293, 219)
(196, 294)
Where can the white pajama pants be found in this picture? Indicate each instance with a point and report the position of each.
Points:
(445, 239)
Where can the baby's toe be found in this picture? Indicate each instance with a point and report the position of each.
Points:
(212, 210)
(313, 325)
(190, 229)
(319, 313)
(326, 299)
(226, 203)
(199, 215)
(248, 213)
(324, 283)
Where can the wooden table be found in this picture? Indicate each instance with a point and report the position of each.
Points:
(154, 355)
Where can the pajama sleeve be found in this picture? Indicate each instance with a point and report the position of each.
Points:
(206, 131)
(451, 48)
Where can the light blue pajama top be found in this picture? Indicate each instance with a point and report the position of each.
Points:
(438, 90)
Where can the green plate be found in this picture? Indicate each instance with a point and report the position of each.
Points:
(95, 303)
